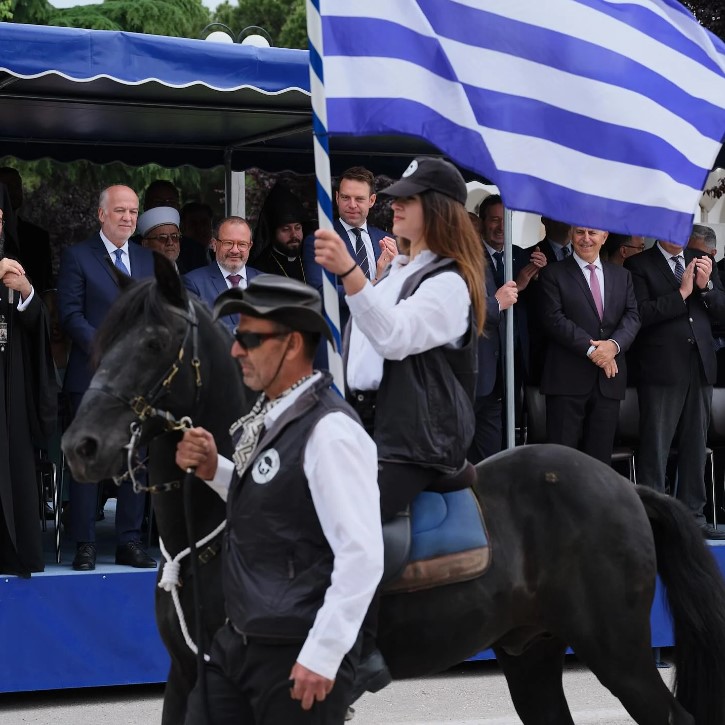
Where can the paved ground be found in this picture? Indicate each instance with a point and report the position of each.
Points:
(473, 694)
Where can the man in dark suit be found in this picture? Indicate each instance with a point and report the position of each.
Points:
(526, 264)
(354, 197)
(231, 242)
(556, 245)
(87, 287)
(590, 318)
(679, 297)
(488, 436)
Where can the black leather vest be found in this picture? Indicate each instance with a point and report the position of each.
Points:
(424, 413)
(277, 562)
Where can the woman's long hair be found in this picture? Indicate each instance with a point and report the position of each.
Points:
(448, 232)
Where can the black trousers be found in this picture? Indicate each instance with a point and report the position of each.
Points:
(677, 415)
(587, 422)
(248, 684)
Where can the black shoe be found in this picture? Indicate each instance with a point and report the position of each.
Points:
(372, 675)
(710, 532)
(133, 554)
(85, 558)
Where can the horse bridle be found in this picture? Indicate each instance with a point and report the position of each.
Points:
(145, 407)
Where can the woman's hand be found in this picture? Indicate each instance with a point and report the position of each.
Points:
(331, 252)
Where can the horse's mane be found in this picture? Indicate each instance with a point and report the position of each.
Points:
(140, 303)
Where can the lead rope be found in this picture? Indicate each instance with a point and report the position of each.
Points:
(169, 581)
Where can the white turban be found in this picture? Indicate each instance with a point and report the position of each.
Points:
(156, 217)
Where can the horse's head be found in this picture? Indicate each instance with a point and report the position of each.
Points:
(148, 372)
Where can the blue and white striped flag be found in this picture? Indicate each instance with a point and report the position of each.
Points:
(605, 113)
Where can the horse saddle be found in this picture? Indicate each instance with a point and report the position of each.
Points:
(441, 540)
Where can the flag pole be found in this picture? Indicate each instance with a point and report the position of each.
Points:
(330, 300)
(509, 380)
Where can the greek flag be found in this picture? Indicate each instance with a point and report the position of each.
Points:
(603, 113)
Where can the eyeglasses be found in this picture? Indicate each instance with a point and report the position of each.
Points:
(164, 238)
(641, 247)
(226, 245)
(253, 340)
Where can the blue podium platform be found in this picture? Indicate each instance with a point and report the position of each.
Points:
(65, 629)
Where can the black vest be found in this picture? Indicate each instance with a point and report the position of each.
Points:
(424, 413)
(277, 562)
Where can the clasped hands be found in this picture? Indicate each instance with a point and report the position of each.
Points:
(696, 274)
(604, 356)
(12, 275)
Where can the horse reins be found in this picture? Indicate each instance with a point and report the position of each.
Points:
(145, 407)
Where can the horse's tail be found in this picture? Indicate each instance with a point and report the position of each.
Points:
(696, 599)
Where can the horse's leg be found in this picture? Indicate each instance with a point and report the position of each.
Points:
(534, 678)
(176, 694)
(621, 657)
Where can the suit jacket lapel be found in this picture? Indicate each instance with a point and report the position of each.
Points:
(575, 271)
(101, 254)
(664, 267)
(609, 293)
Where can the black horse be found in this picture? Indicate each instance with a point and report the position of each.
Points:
(575, 547)
(145, 356)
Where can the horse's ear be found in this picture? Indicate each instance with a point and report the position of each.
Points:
(122, 280)
(169, 281)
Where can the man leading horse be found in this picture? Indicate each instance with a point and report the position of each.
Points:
(303, 544)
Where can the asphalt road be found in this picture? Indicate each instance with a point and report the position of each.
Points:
(473, 694)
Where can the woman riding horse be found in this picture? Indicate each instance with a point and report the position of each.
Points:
(411, 363)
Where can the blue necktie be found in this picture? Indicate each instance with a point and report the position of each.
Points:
(679, 268)
(119, 262)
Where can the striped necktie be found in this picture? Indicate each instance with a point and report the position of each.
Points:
(679, 268)
(361, 254)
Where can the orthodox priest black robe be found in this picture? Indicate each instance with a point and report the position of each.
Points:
(28, 401)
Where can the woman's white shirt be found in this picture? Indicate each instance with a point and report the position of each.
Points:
(436, 314)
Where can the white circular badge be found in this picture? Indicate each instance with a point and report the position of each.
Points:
(411, 169)
(266, 466)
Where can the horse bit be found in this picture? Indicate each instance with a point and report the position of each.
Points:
(145, 406)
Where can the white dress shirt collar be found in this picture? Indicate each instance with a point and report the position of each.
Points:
(111, 249)
(242, 273)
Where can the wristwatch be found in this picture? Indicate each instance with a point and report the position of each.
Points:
(707, 287)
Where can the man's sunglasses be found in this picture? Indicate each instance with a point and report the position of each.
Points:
(252, 340)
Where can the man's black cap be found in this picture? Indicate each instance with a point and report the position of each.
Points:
(281, 299)
(427, 173)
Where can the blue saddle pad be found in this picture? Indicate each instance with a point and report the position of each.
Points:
(445, 523)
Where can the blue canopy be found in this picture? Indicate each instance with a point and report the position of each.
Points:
(69, 93)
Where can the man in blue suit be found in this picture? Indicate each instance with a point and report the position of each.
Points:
(354, 197)
(87, 287)
(231, 243)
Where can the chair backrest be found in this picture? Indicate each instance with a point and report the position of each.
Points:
(535, 415)
(716, 429)
(628, 423)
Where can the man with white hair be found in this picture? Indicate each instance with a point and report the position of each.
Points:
(87, 287)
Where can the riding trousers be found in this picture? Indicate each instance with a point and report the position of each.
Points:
(248, 684)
